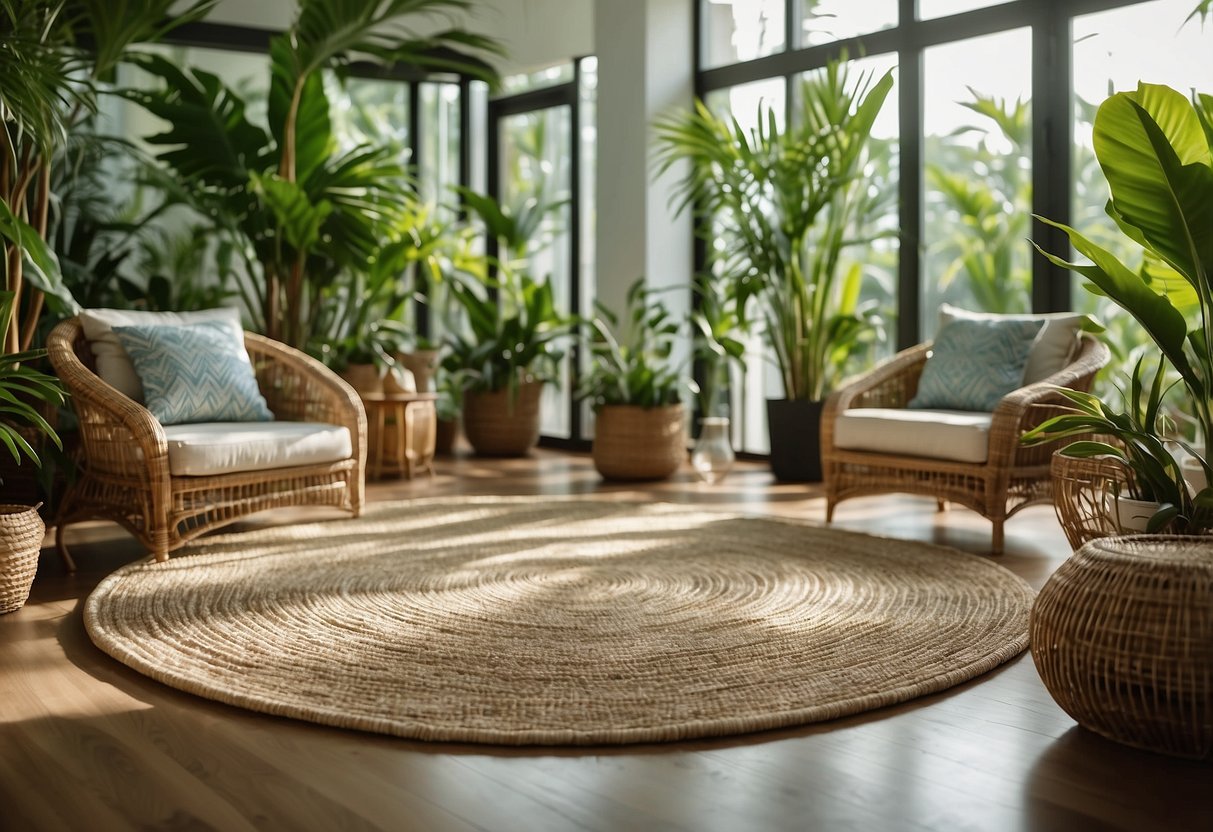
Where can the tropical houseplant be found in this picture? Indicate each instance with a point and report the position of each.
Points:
(306, 211)
(784, 201)
(507, 346)
(21, 530)
(1156, 150)
(504, 339)
(54, 58)
(634, 384)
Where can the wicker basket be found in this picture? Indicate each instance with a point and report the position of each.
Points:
(501, 423)
(1083, 495)
(636, 443)
(1122, 636)
(21, 532)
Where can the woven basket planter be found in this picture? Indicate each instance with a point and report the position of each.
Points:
(501, 423)
(1085, 491)
(1122, 636)
(636, 443)
(21, 532)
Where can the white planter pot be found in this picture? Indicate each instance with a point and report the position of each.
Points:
(1132, 515)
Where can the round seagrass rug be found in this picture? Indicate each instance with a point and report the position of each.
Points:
(560, 621)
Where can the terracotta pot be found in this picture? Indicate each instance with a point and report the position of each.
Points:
(366, 379)
(21, 532)
(637, 443)
(501, 423)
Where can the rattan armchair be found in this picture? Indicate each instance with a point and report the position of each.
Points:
(1012, 477)
(124, 461)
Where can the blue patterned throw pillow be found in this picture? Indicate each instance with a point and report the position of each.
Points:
(195, 373)
(974, 363)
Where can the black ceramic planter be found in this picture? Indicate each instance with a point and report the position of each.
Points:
(795, 429)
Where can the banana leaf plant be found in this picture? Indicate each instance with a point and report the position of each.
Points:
(306, 212)
(785, 201)
(54, 59)
(634, 366)
(1156, 149)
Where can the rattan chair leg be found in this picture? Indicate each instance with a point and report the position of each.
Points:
(997, 542)
(830, 511)
(941, 505)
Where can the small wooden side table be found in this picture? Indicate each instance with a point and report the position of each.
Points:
(401, 433)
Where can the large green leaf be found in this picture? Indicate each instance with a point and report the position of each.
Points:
(1153, 311)
(208, 137)
(297, 216)
(314, 141)
(112, 26)
(1155, 156)
(42, 265)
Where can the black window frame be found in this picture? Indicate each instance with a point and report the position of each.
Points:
(1051, 23)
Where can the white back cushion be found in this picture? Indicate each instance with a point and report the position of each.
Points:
(113, 364)
(1054, 347)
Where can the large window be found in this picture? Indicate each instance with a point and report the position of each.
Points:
(1108, 57)
(542, 144)
(975, 139)
(977, 175)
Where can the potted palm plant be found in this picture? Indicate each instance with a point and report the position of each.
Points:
(634, 383)
(784, 201)
(304, 210)
(1156, 150)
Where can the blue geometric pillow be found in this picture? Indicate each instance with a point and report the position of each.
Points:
(974, 363)
(195, 373)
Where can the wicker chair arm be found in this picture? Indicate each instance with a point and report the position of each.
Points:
(299, 388)
(890, 384)
(1027, 407)
(119, 434)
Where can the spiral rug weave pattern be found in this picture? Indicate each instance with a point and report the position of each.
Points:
(550, 621)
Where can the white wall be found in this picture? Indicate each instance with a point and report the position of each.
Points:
(535, 33)
(644, 70)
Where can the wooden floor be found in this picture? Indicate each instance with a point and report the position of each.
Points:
(86, 744)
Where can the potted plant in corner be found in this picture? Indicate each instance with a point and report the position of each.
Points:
(1156, 150)
(21, 529)
(783, 201)
(503, 356)
(633, 385)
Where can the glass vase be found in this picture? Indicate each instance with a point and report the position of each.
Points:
(712, 456)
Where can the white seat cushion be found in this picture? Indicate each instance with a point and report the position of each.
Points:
(956, 435)
(209, 448)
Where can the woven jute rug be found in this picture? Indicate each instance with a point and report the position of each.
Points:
(560, 621)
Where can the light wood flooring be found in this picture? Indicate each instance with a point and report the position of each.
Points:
(86, 744)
